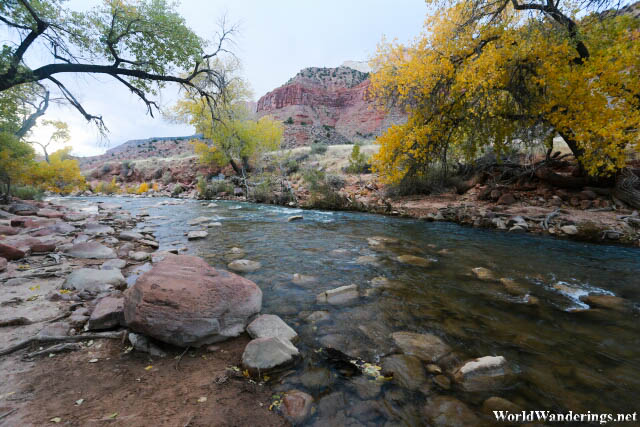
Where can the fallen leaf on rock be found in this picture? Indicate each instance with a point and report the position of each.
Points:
(112, 416)
(202, 399)
(55, 420)
(148, 368)
(33, 298)
(79, 401)
(93, 360)
(245, 373)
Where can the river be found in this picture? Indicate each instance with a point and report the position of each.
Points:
(564, 357)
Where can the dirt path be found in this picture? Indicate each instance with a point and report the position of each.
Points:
(131, 389)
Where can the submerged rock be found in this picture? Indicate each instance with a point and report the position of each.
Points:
(294, 218)
(270, 325)
(301, 279)
(244, 265)
(447, 411)
(483, 273)
(268, 353)
(482, 374)
(296, 406)
(414, 260)
(499, 404)
(184, 301)
(90, 250)
(609, 302)
(94, 281)
(426, 347)
(339, 296)
(407, 371)
(199, 220)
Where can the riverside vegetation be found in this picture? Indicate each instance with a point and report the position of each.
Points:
(304, 308)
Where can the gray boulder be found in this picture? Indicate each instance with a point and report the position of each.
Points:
(267, 353)
(270, 325)
(94, 281)
(90, 250)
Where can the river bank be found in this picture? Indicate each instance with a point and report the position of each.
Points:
(72, 371)
(418, 300)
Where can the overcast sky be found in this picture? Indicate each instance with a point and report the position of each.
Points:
(277, 39)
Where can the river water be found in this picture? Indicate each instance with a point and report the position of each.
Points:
(564, 357)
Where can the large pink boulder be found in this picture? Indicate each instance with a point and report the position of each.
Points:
(184, 301)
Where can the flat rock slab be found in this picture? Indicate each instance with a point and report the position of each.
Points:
(193, 235)
(109, 313)
(268, 353)
(98, 229)
(199, 220)
(447, 411)
(244, 265)
(90, 250)
(184, 301)
(426, 347)
(49, 213)
(94, 281)
(270, 325)
(130, 235)
(114, 264)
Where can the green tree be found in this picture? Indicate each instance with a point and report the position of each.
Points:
(142, 44)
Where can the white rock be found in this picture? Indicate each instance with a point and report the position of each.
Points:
(338, 296)
(200, 234)
(244, 265)
(570, 230)
(267, 353)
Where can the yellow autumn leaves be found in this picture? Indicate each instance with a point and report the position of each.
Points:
(468, 84)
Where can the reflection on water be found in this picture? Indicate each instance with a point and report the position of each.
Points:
(565, 357)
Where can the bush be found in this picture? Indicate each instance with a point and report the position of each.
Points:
(318, 148)
(209, 190)
(27, 192)
(177, 190)
(143, 188)
(167, 177)
(323, 193)
(289, 121)
(358, 161)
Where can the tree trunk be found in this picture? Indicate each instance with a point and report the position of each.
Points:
(235, 167)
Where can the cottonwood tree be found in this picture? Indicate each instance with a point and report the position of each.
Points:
(487, 72)
(143, 45)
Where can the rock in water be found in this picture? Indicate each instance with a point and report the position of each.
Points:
(407, 371)
(184, 301)
(447, 411)
(244, 265)
(294, 218)
(414, 260)
(338, 296)
(484, 373)
(94, 281)
(426, 347)
(296, 406)
(268, 353)
(200, 234)
(90, 250)
(270, 325)
(483, 273)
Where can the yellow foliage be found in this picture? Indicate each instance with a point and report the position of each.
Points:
(155, 186)
(60, 175)
(143, 188)
(490, 82)
(107, 188)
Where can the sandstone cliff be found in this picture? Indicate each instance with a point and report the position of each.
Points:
(327, 105)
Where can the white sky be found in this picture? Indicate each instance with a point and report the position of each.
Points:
(277, 39)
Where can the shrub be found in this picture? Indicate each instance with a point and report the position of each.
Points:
(177, 190)
(167, 177)
(358, 161)
(303, 123)
(318, 148)
(289, 121)
(143, 188)
(27, 192)
(323, 194)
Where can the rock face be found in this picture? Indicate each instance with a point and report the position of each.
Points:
(426, 347)
(328, 105)
(185, 302)
(268, 353)
(484, 373)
